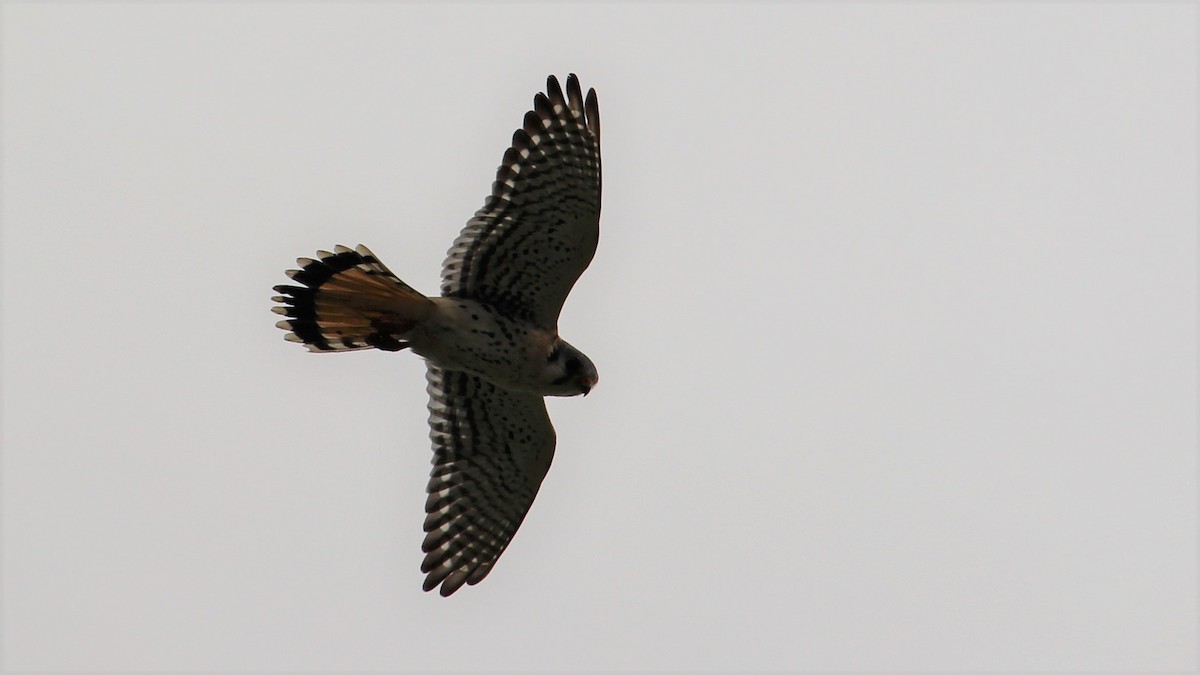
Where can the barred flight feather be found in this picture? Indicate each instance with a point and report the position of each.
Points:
(537, 232)
(491, 449)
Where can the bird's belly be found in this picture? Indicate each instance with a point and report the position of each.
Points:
(472, 337)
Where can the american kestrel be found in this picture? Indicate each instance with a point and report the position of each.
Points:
(490, 341)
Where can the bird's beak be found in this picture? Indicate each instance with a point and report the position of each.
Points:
(587, 383)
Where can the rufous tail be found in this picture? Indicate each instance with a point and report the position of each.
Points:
(348, 300)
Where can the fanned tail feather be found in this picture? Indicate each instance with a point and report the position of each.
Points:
(348, 300)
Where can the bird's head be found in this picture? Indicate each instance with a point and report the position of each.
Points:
(568, 371)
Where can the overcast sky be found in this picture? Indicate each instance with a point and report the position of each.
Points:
(894, 310)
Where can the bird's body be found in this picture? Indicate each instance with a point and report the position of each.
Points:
(505, 351)
(490, 341)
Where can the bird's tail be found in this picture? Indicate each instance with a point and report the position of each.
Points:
(348, 300)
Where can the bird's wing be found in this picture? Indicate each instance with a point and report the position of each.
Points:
(491, 450)
(537, 232)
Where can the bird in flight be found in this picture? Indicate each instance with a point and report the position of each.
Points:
(490, 341)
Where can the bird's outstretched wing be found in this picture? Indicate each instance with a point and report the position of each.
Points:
(491, 449)
(537, 232)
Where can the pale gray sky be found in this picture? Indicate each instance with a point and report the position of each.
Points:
(894, 310)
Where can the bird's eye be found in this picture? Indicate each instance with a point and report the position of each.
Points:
(572, 364)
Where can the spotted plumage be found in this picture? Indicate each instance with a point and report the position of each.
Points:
(490, 341)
